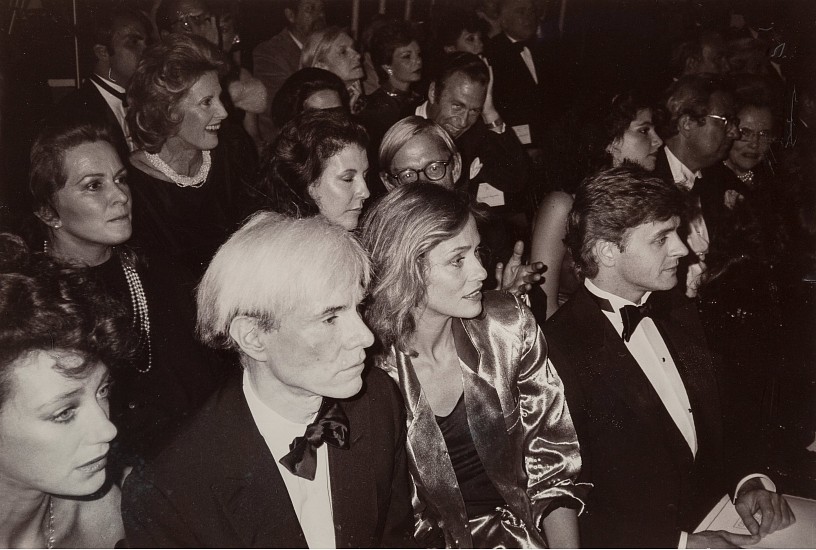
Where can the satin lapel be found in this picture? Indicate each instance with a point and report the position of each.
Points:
(428, 457)
(621, 374)
(354, 494)
(252, 491)
(100, 105)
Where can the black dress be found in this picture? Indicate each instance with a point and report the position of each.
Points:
(149, 400)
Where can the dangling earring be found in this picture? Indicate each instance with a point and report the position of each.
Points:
(57, 224)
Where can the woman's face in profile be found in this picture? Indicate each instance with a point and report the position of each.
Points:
(470, 42)
(54, 429)
(639, 142)
(202, 113)
(94, 205)
(343, 60)
(341, 190)
(455, 276)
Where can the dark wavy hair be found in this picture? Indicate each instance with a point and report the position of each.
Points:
(611, 202)
(385, 40)
(298, 156)
(46, 304)
(398, 232)
(165, 74)
(289, 100)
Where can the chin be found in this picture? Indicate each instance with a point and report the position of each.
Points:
(346, 390)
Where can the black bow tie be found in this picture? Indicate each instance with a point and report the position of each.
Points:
(633, 315)
(330, 426)
(110, 89)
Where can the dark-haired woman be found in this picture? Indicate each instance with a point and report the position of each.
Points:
(625, 132)
(82, 197)
(306, 89)
(187, 198)
(58, 338)
(317, 166)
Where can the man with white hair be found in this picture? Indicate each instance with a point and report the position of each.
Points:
(251, 469)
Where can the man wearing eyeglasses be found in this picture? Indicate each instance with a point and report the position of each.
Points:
(702, 126)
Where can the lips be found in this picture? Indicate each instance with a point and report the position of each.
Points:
(475, 295)
(95, 465)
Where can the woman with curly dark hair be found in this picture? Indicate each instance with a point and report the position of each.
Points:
(615, 132)
(58, 338)
(186, 197)
(82, 199)
(317, 165)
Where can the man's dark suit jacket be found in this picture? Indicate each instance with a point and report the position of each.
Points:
(516, 95)
(87, 105)
(647, 484)
(218, 486)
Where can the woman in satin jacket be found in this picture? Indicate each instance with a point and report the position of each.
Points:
(493, 452)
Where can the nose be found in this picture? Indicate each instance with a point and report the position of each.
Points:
(656, 141)
(479, 273)
(220, 111)
(121, 193)
(360, 335)
(101, 429)
(362, 189)
(677, 248)
(732, 131)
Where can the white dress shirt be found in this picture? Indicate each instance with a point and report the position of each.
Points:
(527, 57)
(116, 106)
(311, 499)
(652, 356)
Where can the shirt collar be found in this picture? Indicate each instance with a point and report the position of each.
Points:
(615, 301)
(422, 110)
(111, 83)
(298, 43)
(680, 172)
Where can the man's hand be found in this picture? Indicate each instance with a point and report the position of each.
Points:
(773, 508)
(516, 277)
(720, 539)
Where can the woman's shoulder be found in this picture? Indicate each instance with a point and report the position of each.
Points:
(141, 170)
(97, 521)
(500, 309)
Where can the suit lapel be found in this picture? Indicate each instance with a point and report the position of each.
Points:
(252, 491)
(354, 494)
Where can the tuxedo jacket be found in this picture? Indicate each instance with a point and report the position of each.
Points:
(87, 105)
(217, 484)
(517, 96)
(648, 486)
(274, 61)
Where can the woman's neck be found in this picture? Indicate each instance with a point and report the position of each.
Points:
(91, 255)
(433, 337)
(23, 518)
(394, 85)
(185, 161)
(734, 168)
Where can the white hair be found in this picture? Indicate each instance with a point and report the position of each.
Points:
(272, 264)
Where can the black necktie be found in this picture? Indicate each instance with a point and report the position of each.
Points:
(110, 89)
(330, 426)
(633, 315)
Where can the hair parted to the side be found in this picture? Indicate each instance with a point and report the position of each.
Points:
(271, 266)
(298, 156)
(401, 132)
(49, 305)
(690, 95)
(47, 173)
(165, 74)
(610, 203)
(398, 232)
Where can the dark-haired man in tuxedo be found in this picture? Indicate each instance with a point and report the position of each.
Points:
(119, 37)
(639, 379)
(302, 448)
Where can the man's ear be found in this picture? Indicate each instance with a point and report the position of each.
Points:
(605, 253)
(386, 181)
(247, 334)
(432, 92)
(686, 124)
(101, 52)
(289, 14)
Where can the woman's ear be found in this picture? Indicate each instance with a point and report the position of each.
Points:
(388, 70)
(48, 216)
(614, 148)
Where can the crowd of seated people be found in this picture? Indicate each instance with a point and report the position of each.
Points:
(432, 295)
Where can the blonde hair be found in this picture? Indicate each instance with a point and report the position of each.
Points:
(401, 133)
(269, 266)
(317, 45)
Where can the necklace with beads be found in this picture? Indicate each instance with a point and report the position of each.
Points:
(181, 180)
(138, 301)
(50, 537)
(747, 177)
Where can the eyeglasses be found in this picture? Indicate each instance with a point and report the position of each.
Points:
(433, 171)
(765, 136)
(726, 120)
(189, 20)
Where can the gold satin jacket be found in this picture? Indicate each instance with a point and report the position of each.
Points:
(520, 425)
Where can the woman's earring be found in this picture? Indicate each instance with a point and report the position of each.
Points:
(57, 224)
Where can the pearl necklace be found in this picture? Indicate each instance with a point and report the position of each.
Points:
(138, 300)
(50, 538)
(179, 179)
(744, 178)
